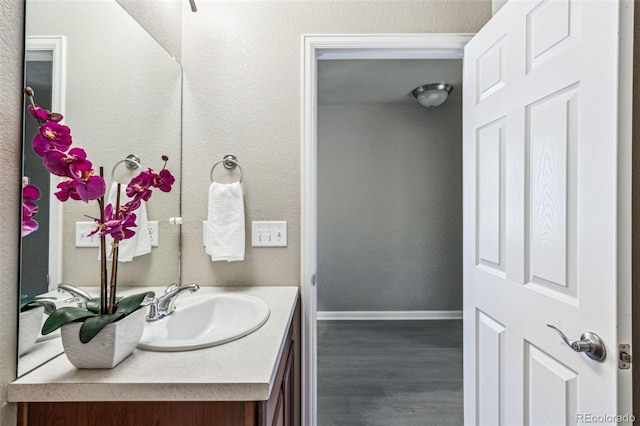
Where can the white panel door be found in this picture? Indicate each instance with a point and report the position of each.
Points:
(541, 213)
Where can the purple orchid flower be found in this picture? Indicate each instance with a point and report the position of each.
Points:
(116, 227)
(42, 115)
(69, 164)
(90, 187)
(67, 189)
(38, 113)
(30, 193)
(108, 216)
(29, 209)
(129, 207)
(29, 226)
(139, 186)
(85, 187)
(124, 232)
(52, 136)
(163, 180)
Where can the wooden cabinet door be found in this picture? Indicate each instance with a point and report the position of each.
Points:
(287, 390)
(279, 418)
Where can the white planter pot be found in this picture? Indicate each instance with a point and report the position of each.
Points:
(29, 329)
(113, 344)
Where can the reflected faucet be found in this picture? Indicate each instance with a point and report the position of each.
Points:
(80, 296)
(165, 304)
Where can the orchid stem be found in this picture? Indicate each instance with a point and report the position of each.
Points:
(103, 257)
(114, 266)
(114, 257)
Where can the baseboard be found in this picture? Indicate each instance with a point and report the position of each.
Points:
(388, 315)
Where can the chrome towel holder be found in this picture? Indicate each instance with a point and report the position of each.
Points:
(132, 162)
(230, 162)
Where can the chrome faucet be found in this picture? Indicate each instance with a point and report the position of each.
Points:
(78, 295)
(165, 304)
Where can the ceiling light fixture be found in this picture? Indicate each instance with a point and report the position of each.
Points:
(432, 95)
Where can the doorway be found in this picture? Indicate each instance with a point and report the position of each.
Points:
(45, 72)
(345, 48)
(389, 243)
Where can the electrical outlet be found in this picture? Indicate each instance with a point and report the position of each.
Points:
(83, 229)
(153, 232)
(269, 234)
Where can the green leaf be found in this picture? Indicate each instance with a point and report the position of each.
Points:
(130, 303)
(93, 305)
(92, 326)
(64, 316)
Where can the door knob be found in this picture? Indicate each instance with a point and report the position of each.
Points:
(589, 343)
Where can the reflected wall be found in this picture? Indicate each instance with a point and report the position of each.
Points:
(122, 92)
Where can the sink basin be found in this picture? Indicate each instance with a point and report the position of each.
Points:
(205, 320)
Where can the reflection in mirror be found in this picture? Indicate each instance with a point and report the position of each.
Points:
(120, 93)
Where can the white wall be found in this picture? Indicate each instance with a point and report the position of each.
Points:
(242, 95)
(389, 207)
(161, 18)
(122, 97)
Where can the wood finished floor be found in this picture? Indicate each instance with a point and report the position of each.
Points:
(390, 373)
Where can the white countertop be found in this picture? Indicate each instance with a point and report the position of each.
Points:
(241, 370)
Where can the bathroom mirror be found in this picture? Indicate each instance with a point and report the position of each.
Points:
(120, 93)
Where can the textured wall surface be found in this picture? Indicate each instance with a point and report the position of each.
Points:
(389, 207)
(123, 96)
(635, 200)
(161, 18)
(242, 95)
(11, 56)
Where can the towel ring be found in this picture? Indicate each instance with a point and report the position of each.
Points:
(132, 162)
(229, 162)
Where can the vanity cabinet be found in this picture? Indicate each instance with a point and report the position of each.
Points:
(281, 409)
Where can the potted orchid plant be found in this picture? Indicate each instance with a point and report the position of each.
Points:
(80, 182)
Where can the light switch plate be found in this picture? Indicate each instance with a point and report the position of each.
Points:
(269, 234)
(83, 229)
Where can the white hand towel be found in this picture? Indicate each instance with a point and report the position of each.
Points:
(225, 222)
(140, 243)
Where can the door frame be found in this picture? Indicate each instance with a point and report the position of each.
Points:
(341, 47)
(626, 235)
(56, 46)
